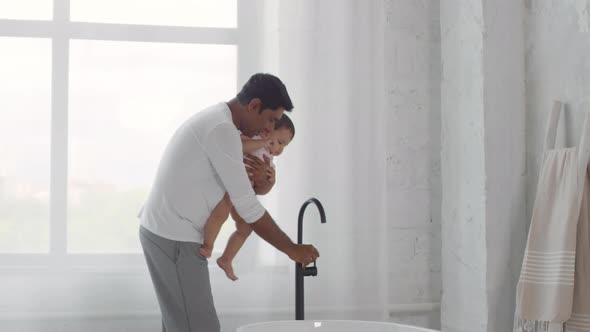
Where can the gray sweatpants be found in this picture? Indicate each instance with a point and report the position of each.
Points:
(181, 279)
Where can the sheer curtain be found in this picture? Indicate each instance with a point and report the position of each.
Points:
(329, 54)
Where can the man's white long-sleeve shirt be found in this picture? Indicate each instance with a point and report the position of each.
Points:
(202, 161)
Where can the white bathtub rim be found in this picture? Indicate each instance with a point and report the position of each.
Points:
(416, 328)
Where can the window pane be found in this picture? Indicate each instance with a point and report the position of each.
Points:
(126, 100)
(26, 9)
(25, 82)
(194, 13)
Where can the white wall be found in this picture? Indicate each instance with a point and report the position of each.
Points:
(557, 67)
(482, 161)
(412, 76)
(463, 166)
(504, 102)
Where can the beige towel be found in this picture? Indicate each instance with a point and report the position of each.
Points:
(580, 318)
(545, 290)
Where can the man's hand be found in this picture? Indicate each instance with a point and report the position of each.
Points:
(259, 172)
(266, 228)
(304, 254)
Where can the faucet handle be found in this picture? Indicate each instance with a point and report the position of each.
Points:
(311, 270)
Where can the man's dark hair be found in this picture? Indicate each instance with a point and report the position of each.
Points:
(285, 122)
(269, 89)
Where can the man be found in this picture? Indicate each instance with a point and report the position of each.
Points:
(202, 161)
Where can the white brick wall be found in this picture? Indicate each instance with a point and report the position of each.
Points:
(483, 161)
(412, 76)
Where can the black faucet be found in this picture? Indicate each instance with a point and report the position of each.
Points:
(300, 272)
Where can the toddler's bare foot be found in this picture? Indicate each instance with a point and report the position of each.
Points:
(229, 270)
(205, 251)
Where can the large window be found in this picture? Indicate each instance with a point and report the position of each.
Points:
(91, 93)
(25, 120)
(192, 13)
(125, 99)
(26, 9)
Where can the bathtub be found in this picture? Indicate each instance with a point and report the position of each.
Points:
(329, 326)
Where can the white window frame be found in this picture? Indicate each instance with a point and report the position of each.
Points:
(61, 30)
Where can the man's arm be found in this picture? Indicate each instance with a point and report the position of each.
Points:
(268, 230)
(225, 155)
(224, 150)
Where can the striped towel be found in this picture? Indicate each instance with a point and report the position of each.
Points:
(545, 291)
(580, 318)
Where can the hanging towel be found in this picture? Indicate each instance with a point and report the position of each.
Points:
(545, 290)
(580, 318)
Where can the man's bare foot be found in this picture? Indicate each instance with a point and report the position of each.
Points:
(229, 270)
(205, 251)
